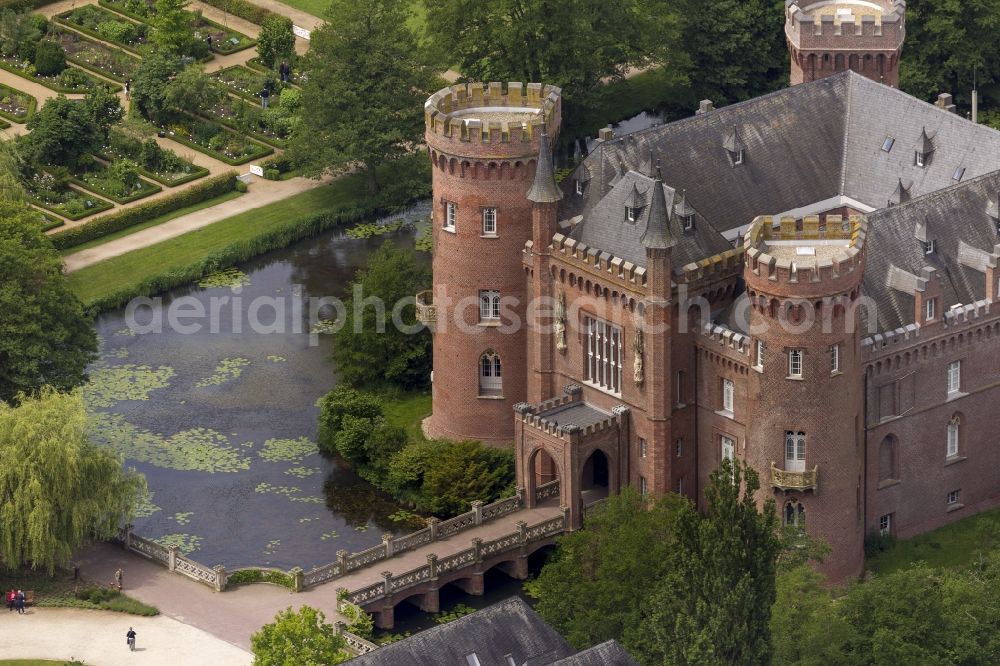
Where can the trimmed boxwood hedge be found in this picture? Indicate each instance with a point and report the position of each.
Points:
(245, 576)
(32, 105)
(243, 9)
(148, 189)
(129, 49)
(100, 205)
(129, 217)
(110, 85)
(264, 150)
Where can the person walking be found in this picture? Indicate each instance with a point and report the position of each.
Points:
(118, 578)
(285, 71)
(128, 89)
(265, 96)
(11, 599)
(130, 639)
(20, 602)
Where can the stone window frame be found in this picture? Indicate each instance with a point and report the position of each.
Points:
(930, 309)
(954, 377)
(489, 305)
(885, 524)
(679, 447)
(487, 211)
(643, 485)
(759, 351)
(835, 359)
(450, 216)
(953, 448)
(490, 369)
(954, 497)
(796, 444)
(604, 354)
(796, 363)
(642, 447)
(728, 388)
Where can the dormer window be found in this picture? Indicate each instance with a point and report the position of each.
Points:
(687, 222)
(580, 187)
(738, 157)
(632, 213)
(735, 147)
(929, 246)
(923, 150)
(918, 159)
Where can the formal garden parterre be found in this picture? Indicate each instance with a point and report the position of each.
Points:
(15, 105)
(224, 39)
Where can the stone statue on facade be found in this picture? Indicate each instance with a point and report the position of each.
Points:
(560, 324)
(637, 351)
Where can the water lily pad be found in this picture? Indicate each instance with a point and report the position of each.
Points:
(185, 543)
(328, 535)
(111, 384)
(230, 277)
(183, 517)
(291, 492)
(302, 472)
(145, 507)
(288, 450)
(227, 370)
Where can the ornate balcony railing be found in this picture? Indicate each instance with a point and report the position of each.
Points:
(785, 480)
(426, 310)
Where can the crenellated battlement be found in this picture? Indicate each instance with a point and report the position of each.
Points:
(492, 115)
(713, 268)
(811, 24)
(544, 417)
(957, 319)
(814, 256)
(733, 342)
(592, 258)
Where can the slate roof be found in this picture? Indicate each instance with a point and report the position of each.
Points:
(510, 627)
(576, 413)
(609, 653)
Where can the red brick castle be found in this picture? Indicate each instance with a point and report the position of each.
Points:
(807, 281)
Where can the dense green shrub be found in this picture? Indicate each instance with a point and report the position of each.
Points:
(272, 174)
(276, 41)
(128, 217)
(344, 404)
(243, 9)
(50, 58)
(247, 576)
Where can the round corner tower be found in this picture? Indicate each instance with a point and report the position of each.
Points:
(805, 434)
(484, 142)
(830, 36)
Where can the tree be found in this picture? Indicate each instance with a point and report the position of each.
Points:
(597, 585)
(298, 638)
(45, 338)
(50, 58)
(149, 85)
(193, 90)
(20, 33)
(105, 110)
(947, 42)
(574, 44)
(715, 602)
(363, 101)
(369, 350)
(276, 40)
(805, 627)
(65, 131)
(341, 405)
(462, 472)
(59, 490)
(172, 27)
(737, 48)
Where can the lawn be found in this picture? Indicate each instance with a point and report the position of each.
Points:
(110, 276)
(407, 411)
(318, 8)
(61, 591)
(953, 546)
(151, 223)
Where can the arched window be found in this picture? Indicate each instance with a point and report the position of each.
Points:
(888, 459)
(795, 451)
(953, 439)
(489, 305)
(794, 514)
(490, 378)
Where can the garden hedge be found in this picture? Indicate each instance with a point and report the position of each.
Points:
(110, 85)
(243, 9)
(147, 190)
(19, 5)
(129, 217)
(392, 198)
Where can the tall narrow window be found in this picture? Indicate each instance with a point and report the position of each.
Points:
(642, 485)
(795, 363)
(490, 376)
(929, 309)
(679, 447)
(954, 376)
(680, 485)
(738, 157)
(795, 514)
(604, 354)
(759, 356)
(953, 426)
(795, 451)
(680, 387)
(728, 389)
(489, 221)
(489, 305)
(450, 213)
(929, 246)
(918, 159)
(579, 187)
(834, 359)
(953, 497)
(642, 447)
(728, 447)
(885, 525)
(631, 214)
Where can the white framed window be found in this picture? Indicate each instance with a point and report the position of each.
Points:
(728, 445)
(834, 359)
(929, 309)
(631, 214)
(759, 355)
(688, 222)
(450, 213)
(795, 363)
(885, 525)
(679, 447)
(954, 376)
(642, 447)
(929, 246)
(489, 221)
(643, 489)
(728, 393)
(579, 187)
(604, 354)
(954, 496)
(953, 426)
(738, 157)
(489, 305)
(490, 375)
(680, 485)
(918, 159)
(795, 451)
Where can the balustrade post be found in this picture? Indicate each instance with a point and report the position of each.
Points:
(387, 576)
(477, 511)
(522, 532)
(128, 536)
(432, 562)
(387, 544)
(565, 516)
(342, 558)
(172, 558)
(432, 522)
(477, 546)
(520, 496)
(297, 578)
(220, 578)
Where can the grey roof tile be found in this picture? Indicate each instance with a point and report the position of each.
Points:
(609, 653)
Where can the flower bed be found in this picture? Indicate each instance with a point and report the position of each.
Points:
(270, 125)
(71, 80)
(162, 165)
(50, 193)
(48, 220)
(215, 140)
(224, 40)
(106, 25)
(16, 105)
(97, 57)
(246, 82)
(118, 181)
(297, 78)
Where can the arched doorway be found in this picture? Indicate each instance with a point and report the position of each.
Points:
(595, 477)
(543, 477)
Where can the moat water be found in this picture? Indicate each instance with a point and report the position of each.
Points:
(223, 423)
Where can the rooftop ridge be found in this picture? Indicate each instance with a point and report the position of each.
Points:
(540, 104)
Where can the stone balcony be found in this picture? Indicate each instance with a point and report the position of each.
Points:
(784, 480)
(426, 310)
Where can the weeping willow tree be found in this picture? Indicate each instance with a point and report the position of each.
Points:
(57, 491)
